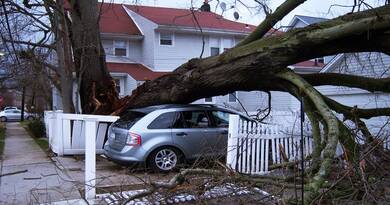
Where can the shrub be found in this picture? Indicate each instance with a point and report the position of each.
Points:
(37, 128)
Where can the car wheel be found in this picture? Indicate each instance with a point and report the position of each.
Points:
(164, 159)
(30, 118)
(3, 119)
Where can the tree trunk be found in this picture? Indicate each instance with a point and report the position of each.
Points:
(65, 63)
(97, 88)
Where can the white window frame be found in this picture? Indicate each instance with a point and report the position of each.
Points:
(221, 44)
(235, 99)
(212, 100)
(126, 46)
(167, 33)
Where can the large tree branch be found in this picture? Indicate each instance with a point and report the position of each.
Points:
(338, 79)
(254, 65)
(353, 112)
(271, 20)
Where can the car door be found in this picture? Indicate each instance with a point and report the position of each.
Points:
(220, 128)
(192, 132)
(15, 114)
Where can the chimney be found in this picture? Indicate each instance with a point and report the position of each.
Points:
(206, 6)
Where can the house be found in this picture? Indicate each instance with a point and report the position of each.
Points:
(143, 42)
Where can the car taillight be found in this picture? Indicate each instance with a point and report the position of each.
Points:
(133, 139)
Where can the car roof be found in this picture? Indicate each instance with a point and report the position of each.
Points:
(150, 109)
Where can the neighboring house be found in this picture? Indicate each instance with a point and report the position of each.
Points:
(376, 65)
(369, 64)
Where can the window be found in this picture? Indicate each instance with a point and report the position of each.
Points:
(118, 85)
(233, 97)
(164, 121)
(221, 118)
(193, 119)
(208, 100)
(166, 39)
(120, 48)
(128, 119)
(214, 51)
(320, 60)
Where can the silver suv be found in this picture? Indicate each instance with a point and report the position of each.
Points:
(164, 136)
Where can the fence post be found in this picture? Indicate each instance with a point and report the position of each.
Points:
(90, 158)
(58, 136)
(231, 158)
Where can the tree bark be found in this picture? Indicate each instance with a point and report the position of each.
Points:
(65, 63)
(97, 88)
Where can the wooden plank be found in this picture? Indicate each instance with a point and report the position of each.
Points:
(78, 135)
(66, 130)
(101, 134)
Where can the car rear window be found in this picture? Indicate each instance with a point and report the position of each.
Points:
(164, 121)
(127, 120)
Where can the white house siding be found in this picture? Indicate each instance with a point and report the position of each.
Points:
(131, 84)
(147, 27)
(185, 46)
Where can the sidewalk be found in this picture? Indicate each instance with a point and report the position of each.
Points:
(38, 179)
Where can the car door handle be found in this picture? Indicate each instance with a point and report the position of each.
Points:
(225, 132)
(182, 134)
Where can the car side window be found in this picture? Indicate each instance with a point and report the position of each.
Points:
(221, 119)
(17, 111)
(164, 121)
(195, 119)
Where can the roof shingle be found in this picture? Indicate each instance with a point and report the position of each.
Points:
(137, 71)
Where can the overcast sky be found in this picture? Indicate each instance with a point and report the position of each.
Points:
(318, 8)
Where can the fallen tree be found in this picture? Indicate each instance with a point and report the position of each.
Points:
(261, 64)
(257, 63)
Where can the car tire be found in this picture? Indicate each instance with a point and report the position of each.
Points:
(165, 159)
(3, 119)
(30, 118)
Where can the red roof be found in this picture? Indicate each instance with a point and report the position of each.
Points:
(184, 17)
(135, 70)
(309, 63)
(114, 19)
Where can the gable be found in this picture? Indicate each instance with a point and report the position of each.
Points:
(114, 19)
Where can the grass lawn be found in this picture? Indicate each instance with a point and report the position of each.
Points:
(2, 138)
(41, 141)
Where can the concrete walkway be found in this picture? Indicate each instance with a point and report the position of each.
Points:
(38, 180)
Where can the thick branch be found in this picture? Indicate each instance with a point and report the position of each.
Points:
(271, 20)
(352, 112)
(333, 131)
(338, 79)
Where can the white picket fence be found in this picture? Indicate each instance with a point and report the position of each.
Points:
(252, 146)
(79, 134)
(66, 132)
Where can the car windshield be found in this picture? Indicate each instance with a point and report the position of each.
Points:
(127, 120)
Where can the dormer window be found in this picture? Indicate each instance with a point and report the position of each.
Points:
(166, 39)
(120, 48)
